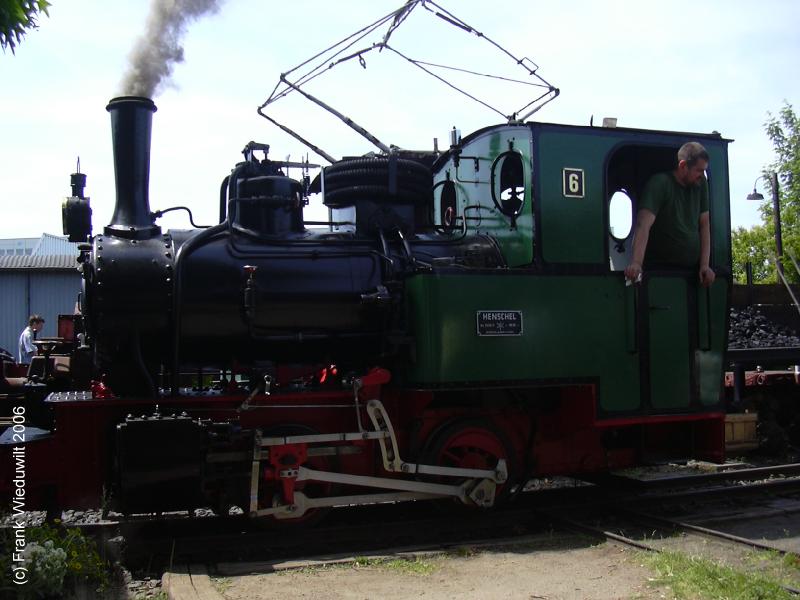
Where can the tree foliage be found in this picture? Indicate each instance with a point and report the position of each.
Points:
(757, 244)
(18, 17)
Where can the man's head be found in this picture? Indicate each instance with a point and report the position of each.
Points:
(36, 322)
(692, 164)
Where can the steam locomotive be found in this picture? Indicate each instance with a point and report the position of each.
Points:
(461, 325)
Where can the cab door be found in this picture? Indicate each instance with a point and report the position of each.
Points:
(669, 312)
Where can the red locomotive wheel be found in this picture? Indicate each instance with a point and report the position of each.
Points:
(471, 444)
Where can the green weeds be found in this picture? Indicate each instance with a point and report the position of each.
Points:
(409, 566)
(691, 577)
(57, 560)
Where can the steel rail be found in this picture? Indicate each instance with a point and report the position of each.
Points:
(714, 533)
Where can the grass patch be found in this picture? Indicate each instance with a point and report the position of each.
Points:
(415, 566)
(792, 561)
(221, 584)
(464, 552)
(410, 566)
(692, 577)
(161, 595)
(780, 567)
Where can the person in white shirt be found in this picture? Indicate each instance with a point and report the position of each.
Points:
(26, 347)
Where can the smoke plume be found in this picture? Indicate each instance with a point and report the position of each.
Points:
(156, 52)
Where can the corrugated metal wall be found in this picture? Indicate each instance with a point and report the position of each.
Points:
(48, 293)
(54, 244)
(13, 299)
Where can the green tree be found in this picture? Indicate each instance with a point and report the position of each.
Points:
(18, 17)
(757, 244)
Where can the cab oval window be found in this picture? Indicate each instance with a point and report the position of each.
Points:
(510, 190)
(620, 215)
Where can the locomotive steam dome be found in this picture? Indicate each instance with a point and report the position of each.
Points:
(268, 205)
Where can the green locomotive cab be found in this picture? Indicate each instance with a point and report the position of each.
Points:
(561, 202)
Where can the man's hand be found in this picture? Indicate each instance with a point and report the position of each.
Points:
(707, 276)
(644, 221)
(633, 272)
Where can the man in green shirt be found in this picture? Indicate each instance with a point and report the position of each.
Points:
(672, 226)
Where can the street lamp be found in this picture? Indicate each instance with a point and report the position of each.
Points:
(776, 214)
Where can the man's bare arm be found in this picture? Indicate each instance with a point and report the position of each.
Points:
(644, 221)
(706, 274)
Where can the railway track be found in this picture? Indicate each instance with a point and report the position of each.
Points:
(652, 533)
(419, 525)
(152, 545)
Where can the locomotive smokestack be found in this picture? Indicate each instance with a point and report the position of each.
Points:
(131, 123)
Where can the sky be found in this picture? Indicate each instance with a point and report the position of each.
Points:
(717, 65)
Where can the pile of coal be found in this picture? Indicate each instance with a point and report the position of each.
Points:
(749, 328)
